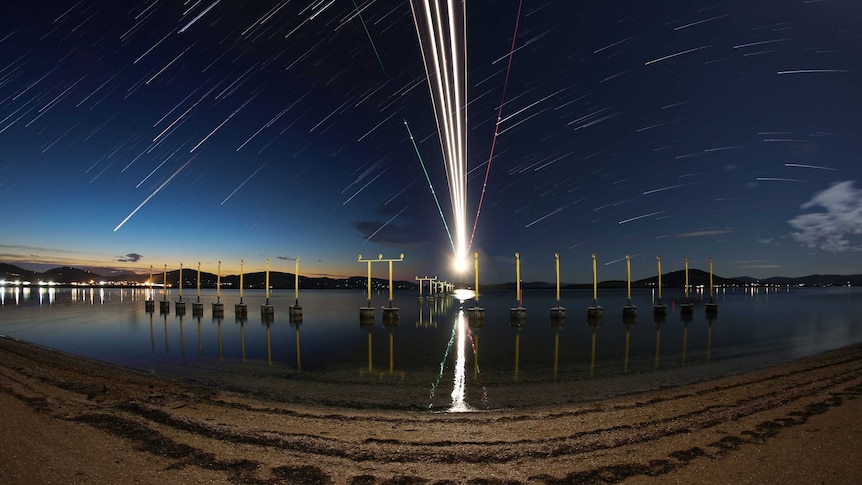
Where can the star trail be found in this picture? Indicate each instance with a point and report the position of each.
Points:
(215, 130)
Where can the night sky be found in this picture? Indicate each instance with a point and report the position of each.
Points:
(166, 132)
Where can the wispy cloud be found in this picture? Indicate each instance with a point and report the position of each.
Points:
(840, 219)
(130, 258)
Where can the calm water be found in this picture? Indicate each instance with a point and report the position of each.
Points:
(433, 357)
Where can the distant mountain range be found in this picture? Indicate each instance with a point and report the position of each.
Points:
(277, 279)
(67, 276)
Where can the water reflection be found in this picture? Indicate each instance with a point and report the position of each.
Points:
(458, 391)
(109, 324)
(296, 324)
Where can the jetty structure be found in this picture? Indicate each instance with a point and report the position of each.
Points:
(149, 303)
(164, 304)
(594, 312)
(180, 305)
(687, 307)
(267, 311)
(241, 309)
(390, 313)
(197, 306)
(218, 306)
(366, 313)
(659, 309)
(476, 314)
(712, 306)
(558, 313)
(630, 312)
(518, 314)
(422, 281)
(295, 311)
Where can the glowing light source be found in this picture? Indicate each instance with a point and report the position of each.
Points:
(460, 265)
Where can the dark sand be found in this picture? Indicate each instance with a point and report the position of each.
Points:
(71, 420)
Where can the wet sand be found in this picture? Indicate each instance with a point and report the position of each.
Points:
(72, 420)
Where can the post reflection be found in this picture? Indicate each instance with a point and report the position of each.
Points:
(458, 390)
(200, 338)
(220, 353)
(628, 345)
(182, 337)
(709, 340)
(165, 322)
(152, 334)
(556, 351)
(268, 345)
(242, 338)
(593, 322)
(658, 319)
(684, 340)
(296, 324)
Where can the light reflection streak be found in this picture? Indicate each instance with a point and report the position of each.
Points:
(458, 392)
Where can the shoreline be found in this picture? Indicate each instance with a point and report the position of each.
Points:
(798, 419)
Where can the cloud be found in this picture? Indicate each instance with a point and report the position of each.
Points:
(130, 258)
(839, 220)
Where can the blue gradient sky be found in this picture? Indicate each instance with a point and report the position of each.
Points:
(725, 129)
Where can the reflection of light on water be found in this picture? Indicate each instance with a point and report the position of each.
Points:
(464, 294)
(458, 404)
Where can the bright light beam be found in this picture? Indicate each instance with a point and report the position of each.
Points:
(445, 68)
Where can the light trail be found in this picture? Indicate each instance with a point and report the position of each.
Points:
(436, 201)
(802, 165)
(496, 128)
(243, 183)
(442, 40)
(385, 224)
(166, 182)
(198, 17)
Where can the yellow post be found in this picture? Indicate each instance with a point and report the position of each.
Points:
(477, 278)
(151, 283)
(629, 278)
(241, 263)
(199, 281)
(518, 277)
(659, 277)
(181, 281)
(359, 258)
(595, 283)
(685, 258)
(557, 259)
(266, 293)
(296, 280)
(710, 279)
(390, 283)
(218, 283)
(165, 284)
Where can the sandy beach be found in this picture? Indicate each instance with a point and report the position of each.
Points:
(72, 420)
